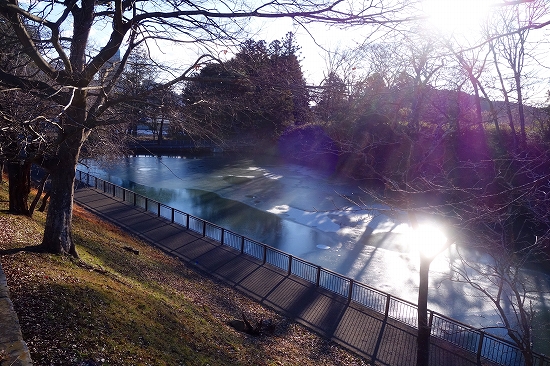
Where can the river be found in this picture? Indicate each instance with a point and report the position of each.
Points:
(310, 214)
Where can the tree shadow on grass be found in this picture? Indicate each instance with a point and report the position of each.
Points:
(8, 212)
(28, 249)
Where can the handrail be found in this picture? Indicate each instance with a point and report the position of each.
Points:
(478, 342)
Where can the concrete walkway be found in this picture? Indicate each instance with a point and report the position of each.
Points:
(13, 349)
(357, 328)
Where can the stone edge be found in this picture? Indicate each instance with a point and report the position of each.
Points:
(13, 349)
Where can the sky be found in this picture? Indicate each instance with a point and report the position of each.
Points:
(312, 49)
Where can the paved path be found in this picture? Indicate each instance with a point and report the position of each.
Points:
(357, 328)
(13, 349)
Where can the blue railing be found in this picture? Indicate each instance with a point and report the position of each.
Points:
(483, 345)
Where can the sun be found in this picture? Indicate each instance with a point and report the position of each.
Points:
(428, 240)
(457, 17)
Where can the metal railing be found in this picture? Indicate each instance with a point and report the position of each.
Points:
(482, 344)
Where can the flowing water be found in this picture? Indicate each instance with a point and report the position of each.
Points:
(310, 214)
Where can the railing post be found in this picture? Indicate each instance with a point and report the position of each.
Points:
(387, 311)
(114, 190)
(203, 228)
(289, 265)
(264, 256)
(88, 179)
(222, 235)
(318, 276)
(480, 346)
(242, 244)
(430, 320)
(104, 187)
(350, 290)
(158, 209)
(135, 198)
(123, 194)
(146, 204)
(172, 218)
(187, 222)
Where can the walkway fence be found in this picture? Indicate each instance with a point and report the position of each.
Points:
(482, 344)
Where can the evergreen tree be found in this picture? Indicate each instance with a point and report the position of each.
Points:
(261, 91)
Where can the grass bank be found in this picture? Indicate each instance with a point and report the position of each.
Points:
(115, 307)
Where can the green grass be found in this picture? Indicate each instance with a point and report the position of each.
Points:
(114, 307)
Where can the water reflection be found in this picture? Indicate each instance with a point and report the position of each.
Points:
(209, 206)
(266, 227)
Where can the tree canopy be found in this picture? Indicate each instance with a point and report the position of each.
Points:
(260, 91)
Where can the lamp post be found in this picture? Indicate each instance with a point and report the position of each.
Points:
(430, 242)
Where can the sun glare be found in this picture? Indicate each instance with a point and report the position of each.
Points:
(427, 239)
(457, 17)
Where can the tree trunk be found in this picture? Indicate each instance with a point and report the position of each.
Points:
(521, 113)
(414, 126)
(38, 194)
(44, 202)
(477, 100)
(58, 231)
(424, 330)
(506, 99)
(58, 234)
(493, 112)
(161, 126)
(19, 177)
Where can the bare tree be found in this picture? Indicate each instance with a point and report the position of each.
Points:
(21, 118)
(504, 283)
(424, 65)
(513, 228)
(508, 35)
(473, 66)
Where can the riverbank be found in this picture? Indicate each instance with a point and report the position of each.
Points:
(143, 146)
(113, 306)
